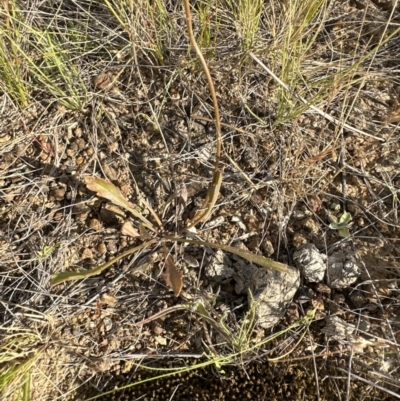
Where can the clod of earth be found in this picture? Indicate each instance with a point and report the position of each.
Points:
(311, 263)
(272, 291)
(337, 329)
(342, 270)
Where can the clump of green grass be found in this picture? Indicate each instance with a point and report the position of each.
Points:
(54, 71)
(12, 67)
(293, 27)
(246, 15)
(38, 56)
(19, 352)
(148, 26)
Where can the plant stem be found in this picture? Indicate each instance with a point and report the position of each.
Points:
(209, 80)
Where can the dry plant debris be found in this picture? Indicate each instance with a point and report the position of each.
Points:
(114, 90)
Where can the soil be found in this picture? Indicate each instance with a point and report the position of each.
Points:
(150, 132)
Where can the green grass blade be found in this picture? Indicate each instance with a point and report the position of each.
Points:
(59, 278)
(251, 257)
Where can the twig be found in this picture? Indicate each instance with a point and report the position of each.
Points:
(343, 168)
(202, 118)
(371, 383)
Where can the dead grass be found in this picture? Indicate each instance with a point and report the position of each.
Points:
(113, 88)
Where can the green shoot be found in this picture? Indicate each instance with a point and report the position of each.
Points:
(342, 224)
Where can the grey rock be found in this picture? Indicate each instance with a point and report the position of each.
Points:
(311, 263)
(337, 329)
(342, 270)
(271, 290)
(274, 297)
(218, 268)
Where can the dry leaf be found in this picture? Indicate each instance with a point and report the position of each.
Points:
(128, 229)
(182, 199)
(183, 193)
(251, 257)
(103, 80)
(59, 278)
(172, 276)
(203, 214)
(107, 190)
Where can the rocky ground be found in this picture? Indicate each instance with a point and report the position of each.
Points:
(297, 188)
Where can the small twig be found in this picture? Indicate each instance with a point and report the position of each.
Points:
(202, 118)
(343, 165)
(370, 383)
(162, 313)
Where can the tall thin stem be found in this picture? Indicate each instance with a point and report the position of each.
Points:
(209, 80)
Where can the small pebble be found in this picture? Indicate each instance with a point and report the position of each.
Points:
(101, 248)
(95, 224)
(87, 254)
(158, 330)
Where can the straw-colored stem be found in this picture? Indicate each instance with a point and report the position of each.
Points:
(209, 80)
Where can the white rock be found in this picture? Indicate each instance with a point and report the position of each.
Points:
(272, 291)
(337, 329)
(218, 268)
(342, 270)
(275, 297)
(311, 263)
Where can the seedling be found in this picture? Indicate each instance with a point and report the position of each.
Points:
(155, 234)
(342, 224)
